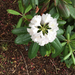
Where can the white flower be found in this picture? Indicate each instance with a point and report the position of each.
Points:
(43, 29)
(35, 21)
(46, 18)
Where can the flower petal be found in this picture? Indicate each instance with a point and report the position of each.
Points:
(46, 18)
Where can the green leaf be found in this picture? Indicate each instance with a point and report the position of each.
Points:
(61, 22)
(73, 3)
(56, 15)
(65, 51)
(60, 32)
(34, 3)
(48, 46)
(68, 30)
(24, 16)
(19, 23)
(58, 47)
(21, 8)
(72, 45)
(13, 12)
(67, 56)
(69, 62)
(72, 10)
(68, 1)
(28, 9)
(33, 50)
(70, 19)
(25, 3)
(45, 50)
(32, 13)
(48, 49)
(48, 52)
(52, 50)
(41, 1)
(56, 2)
(73, 58)
(73, 41)
(22, 39)
(42, 50)
(52, 11)
(28, 16)
(61, 38)
(63, 44)
(63, 9)
(21, 30)
(73, 36)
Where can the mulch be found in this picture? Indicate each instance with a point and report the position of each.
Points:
(14, 58)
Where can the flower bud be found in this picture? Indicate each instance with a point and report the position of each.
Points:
(64, 11)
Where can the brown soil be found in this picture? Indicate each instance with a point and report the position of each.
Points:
(14, 58)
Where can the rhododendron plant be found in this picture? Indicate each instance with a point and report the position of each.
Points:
(48, 26)
(43, 29)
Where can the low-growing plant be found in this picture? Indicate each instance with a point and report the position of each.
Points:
(49, 27)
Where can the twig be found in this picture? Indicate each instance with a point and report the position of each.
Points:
(3, 68)
(24, 62)
(55, 66)
(67, 72)
(6, 41)
(14, 2)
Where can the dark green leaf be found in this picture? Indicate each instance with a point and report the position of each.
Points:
(32, 13)
(48, 46)
(21, 30)
(33, 50)
(56, 15)
(73, 36)
(19, 23)
(65, 51)
(58, 47)
(73, 58)
(60, 32)
(73, 3)
(52, 11)
(28, 8)
(72, 10)
(56, 2)
(52, 50)
(21, 8)
(68, 30)
(36, 2)
(63, 9)
(70, 19)
(13, 12)
(25, 3)
(72, 44)
(33, 3)
(28, 16)
(61, 38)
(22, 39)
(68, 1)
(61, 22)
(48, 49)
(42, 50)
(41, 1)
(69, 62)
